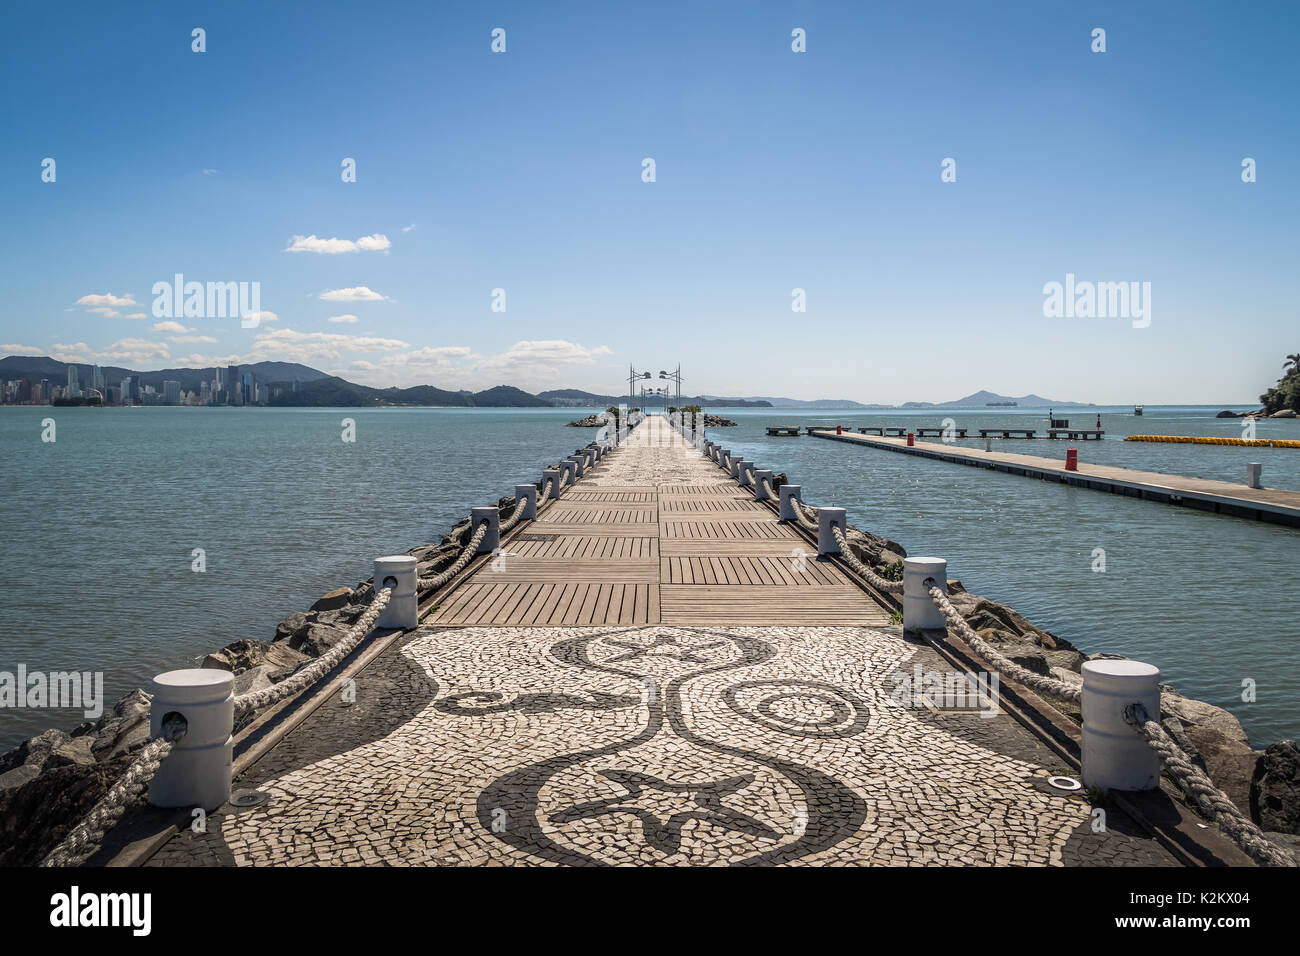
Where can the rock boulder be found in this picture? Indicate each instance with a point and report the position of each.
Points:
(1275, 788)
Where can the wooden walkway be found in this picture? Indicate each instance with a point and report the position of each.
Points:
(656, 533)
(1261, 504)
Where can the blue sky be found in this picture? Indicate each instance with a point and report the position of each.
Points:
(775, 170)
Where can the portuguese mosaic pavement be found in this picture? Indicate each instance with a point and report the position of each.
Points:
(655, 745)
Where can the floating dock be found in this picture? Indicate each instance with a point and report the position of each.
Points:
(921, 431)
(1221, 497)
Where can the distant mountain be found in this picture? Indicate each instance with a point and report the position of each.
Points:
(815, 403)
(983, 399)
(507, 396)
(337, 392)
(317, 388)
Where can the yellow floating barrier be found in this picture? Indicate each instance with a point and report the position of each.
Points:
(1201, 440)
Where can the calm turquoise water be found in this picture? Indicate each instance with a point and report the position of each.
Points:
(97, 529)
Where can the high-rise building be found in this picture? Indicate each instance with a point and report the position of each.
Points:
(74, 384)
(171, 393)
(130, 390)
(97, 379)
(232, 386)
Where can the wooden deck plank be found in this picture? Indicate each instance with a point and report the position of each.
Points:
(684, 549)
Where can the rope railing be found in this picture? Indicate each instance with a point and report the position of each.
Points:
(1021, 675)
(1216, 805)
(1213, 802)
(468, 552)
(85, 838)
(874, 579)
(508, 523)
(807, 517)
(304, 678)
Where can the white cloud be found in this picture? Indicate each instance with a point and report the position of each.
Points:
(211, 172)
(346, 318)
(169, 326)
(286, 345)
(20, 350)
(106, 311)
(355, 294)
(545, 353)
(408, 228)
(128, 352)
(205, 361)
(332, 247)
(258, 318)
(206, 339)
(531, 365)
(136, 315)
(106, 298)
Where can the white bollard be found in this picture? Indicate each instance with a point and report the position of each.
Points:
(529, 494)
(1116, 756)
(988, 444)
(742, 468)
(403, 604)
(734, 469)
(1253, 471)
(761, 475)
(197, 771)
(570, 469)
(920, 613)
(489, 514)
(579, 463)
(786, 492)
(723, 455)
(555, 477)
(828, 519)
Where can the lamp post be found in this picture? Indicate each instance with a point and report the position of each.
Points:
(632, 377)
(676, 378)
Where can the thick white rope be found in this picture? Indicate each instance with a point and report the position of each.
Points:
(1213, 802)
(304, 678)
(470, 549)
(85, 838)
(807, 517)
(1049, 686)
(874, 579)
(515, 515)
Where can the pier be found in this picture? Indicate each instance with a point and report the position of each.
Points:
(663, 658)
(1221, 497)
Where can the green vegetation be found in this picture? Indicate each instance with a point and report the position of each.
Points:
(892, 572)
(1286, 393)
(895, 617)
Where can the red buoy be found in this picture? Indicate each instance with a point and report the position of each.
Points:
(1072, 459)
(911, 439)
(839, 429)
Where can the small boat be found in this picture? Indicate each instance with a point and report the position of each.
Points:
(1137, 409)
